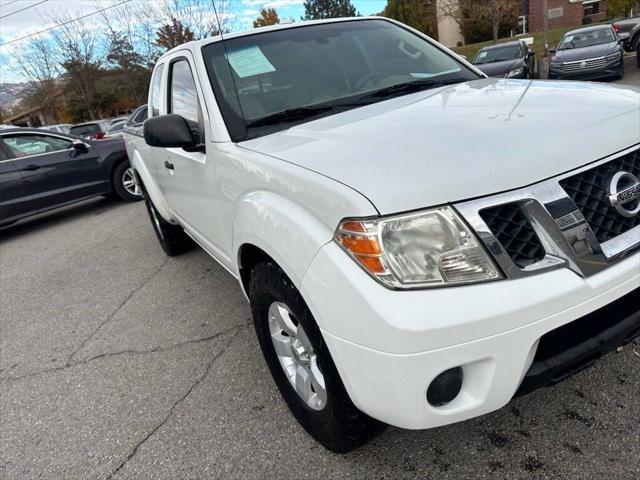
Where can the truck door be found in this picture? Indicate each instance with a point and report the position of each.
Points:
(192, 190)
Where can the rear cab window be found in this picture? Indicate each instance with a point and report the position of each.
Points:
(155, 91)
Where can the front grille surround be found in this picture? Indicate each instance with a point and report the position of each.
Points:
(562, 230)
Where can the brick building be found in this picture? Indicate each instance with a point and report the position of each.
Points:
(564, 13)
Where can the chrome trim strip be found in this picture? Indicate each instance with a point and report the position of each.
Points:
(563, 231)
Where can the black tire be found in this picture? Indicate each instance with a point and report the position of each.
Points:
(339, 426)
(172, 238)
(118, 179)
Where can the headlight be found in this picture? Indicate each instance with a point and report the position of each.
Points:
(516, 72)
(555, 64)
(425, 249)
(613, 56)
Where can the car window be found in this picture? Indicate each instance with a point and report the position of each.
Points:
(26, 145)
(156, 83)
(266, 81)
(498, 54)
(84, 130)
(117, 127)
(138, 117)
(586, 39)
(3, 155)
(183, 95)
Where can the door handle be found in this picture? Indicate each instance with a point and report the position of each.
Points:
(168, 165)
(31, 168)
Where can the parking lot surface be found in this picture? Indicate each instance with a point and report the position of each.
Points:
(118, 362)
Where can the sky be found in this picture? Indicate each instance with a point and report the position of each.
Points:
(23, 17)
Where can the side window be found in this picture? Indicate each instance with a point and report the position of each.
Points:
(26, 145)
(140, 116)
(183, 96)
(3, 155)
(156, 83)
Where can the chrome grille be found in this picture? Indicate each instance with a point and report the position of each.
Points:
(584, 64)
(562, 222)
(589, 191)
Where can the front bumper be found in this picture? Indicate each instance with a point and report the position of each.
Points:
(389, 345)
(611, 70)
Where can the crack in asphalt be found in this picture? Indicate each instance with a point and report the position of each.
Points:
(120, 307)
(127, 352)
(175, 405)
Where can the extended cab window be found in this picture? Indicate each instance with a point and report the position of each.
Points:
(183, 96)
(155, 90)
(26, 145)
(269, 81)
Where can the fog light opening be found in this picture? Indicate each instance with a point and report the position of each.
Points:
(445, 387)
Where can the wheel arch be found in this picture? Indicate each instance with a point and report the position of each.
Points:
(269, 227)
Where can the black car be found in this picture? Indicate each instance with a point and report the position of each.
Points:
(42, 170)
(511, 60)
(592, 53)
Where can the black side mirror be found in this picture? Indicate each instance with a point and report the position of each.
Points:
(169, 131)
(79, 146)
(531, 53)
(552, 50)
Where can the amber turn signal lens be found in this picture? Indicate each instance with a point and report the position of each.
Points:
(373, 264)
(361, 245)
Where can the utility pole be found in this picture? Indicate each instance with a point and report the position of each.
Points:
(545, 25)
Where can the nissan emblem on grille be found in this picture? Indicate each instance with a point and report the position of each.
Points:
(624, 190)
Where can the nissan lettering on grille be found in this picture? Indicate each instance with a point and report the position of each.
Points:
(624, 194)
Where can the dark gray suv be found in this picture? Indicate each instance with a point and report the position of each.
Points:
(592, 53)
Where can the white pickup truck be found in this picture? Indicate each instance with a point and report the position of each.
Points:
(418, 243)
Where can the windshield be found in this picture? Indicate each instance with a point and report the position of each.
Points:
(499, 54)
(275, 79)
(586, 39)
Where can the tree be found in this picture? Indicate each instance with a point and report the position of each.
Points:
(268, 16)
(622, 8)
(479, 19)
(419, 14)
(196, 15)
(173, 34)
(39, 69)
(129, 65)
(319, 9)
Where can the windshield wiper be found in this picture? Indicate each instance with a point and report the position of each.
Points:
(290, 115)
(402, 88)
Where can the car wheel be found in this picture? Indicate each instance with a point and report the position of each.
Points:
(172, 238)
(301, 364)
(124, 184)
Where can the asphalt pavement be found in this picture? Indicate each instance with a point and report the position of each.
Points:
(119, 362)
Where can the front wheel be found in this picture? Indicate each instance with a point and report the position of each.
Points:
(301, 364)
(124, 184)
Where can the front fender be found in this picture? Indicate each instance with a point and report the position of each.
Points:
(287, 232)
(150, 186)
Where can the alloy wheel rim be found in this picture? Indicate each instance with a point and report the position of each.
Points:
(129, 182)
(297, 356)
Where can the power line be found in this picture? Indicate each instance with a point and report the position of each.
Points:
(64, 23)
(8, 3)
(23, 9)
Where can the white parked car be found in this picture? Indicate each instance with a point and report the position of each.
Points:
(419, 243)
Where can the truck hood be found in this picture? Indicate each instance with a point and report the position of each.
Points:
(462, 141)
